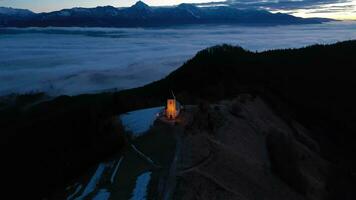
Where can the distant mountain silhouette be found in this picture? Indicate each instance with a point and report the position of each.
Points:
(142, 15)
(15, 12)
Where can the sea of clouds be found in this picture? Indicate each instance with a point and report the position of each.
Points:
(86, 60)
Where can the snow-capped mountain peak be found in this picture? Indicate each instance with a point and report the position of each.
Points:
(15, 11)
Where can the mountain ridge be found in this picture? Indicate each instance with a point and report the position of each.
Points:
(142, 15)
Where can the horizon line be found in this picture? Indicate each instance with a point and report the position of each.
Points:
(208, 4)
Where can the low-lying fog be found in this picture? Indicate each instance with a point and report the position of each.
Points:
(82, 60)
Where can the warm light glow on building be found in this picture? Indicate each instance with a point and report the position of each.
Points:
(171, 110)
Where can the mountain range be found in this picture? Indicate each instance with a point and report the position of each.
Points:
(142, 15)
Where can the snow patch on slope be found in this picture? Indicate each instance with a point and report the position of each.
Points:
(140, 191)
(103, 194)
(139, 121)
(93, 181)
(75, 192)
(115, 171)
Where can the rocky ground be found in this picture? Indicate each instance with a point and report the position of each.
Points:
(242, 149)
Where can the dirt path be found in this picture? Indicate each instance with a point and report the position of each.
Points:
(143, 156)
(171, 179)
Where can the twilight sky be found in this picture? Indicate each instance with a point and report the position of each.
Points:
(338, 9)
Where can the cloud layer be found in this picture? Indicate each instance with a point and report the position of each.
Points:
(81, 60)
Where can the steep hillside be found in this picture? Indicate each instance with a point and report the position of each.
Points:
(312, 85)
(243, 149)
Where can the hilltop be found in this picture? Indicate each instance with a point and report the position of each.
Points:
(240, 148)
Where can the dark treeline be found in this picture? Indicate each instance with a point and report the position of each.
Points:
(57, 139)
(47, 145)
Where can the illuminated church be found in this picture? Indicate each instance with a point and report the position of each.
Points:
(172, 109)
